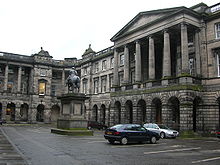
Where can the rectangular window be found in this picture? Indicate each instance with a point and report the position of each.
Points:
(110, 82)
(217, 30)
(53, 90)
(103, 84)
(122, 59)
(96, 68)
(112, 62)
(96, 86)
(121, 78)
(85, 71)
(42, 88)
(104, 65)
(85, 87)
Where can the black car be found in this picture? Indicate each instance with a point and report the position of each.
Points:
(96, 124)
(125, 133)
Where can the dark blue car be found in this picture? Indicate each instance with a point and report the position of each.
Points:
(125, 133)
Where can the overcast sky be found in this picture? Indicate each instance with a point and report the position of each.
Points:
(65, 28)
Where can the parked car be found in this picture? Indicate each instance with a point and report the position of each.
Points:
(162, 130)
(218, 133)
(125, 133)
(96, 124)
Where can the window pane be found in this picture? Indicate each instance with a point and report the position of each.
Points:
(42, 88)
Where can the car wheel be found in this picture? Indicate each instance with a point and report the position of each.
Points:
(111, 141)
(153, 140)
(124, 141)
(162, 135)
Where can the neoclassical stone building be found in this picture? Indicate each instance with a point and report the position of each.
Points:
(164, 67)
(166, 70)
(29, 86)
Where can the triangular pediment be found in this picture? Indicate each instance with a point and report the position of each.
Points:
(146, 18)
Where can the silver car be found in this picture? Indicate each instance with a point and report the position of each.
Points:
(162, 130)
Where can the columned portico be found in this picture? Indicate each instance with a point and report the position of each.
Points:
(126, 64)
(166, 55)
(115, 76)
(184, 49)
(138, 62)
(151, 59)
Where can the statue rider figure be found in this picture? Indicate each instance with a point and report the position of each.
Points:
(73, 80)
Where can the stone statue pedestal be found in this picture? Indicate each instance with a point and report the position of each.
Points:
(72, 117)
(72, 111)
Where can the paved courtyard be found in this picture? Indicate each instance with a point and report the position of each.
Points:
(40, 147)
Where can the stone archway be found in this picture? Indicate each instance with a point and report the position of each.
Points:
(118, 112)
(129, 111)
(10, 111)
(156, 111)
(174, 113)
(24, 112)
(95, 113)
(40, 113)
(102, 114)
(141, 111)
(55, 113)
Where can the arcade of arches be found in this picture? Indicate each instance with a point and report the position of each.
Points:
(16, 112)
(177, 113)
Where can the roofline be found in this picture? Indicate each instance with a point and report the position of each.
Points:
(115, 37)
(145, 12)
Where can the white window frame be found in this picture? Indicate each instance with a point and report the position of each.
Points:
(217, 30)
(122, 59)
(104, 65)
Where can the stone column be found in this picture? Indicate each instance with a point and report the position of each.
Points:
(31, 81)
(126, 65)
(184, 49)
(6, 78)
(19, 79)
(151, 59)
(197, 53)
(63, 81)
(166, 55)
(138, 62)
(115, 76)
(107, 83)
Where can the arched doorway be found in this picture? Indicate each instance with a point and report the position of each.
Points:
(10, 110)
(95, 113)
(40, 113)
(24, 112)
(174, 106)
(129, 111)
(141, 111)
(55, 113)
(0, 110)
(157, 110)
(195, 114)
(102, 113)
(118, 112)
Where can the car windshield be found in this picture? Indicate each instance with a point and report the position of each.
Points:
(163, 126)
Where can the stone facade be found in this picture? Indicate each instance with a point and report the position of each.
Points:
(164, 67)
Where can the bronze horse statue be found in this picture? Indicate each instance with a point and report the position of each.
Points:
(73, 81)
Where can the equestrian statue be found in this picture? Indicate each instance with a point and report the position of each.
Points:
(73, 81)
